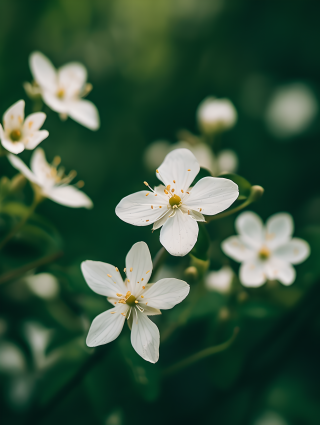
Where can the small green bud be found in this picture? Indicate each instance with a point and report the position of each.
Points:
(256, 193)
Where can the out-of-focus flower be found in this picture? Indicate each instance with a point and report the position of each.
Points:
(17, 133)
(220, 280)
(134, 300)
(291, 110)
(44, 285)
(38, 338)
(225, 161)
(270, 418)
(63, 89)
(266, 252)
(50, 181)
(176, 206)
(12, 360)
(216, 115)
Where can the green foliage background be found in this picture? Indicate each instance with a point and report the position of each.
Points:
(151, 63)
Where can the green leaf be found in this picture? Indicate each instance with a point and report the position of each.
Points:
(244, 185)
(200, 250)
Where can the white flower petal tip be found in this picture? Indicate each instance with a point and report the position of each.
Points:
(133, 300)
(176, 206)
(51, 182)
(266, 252)
(63, 90)
(216, 115)
(17, 133)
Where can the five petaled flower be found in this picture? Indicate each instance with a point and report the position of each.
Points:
(133, 299)
(266, 252)
(50, 181)
(176, 206)
(62, 90)
(18, 133)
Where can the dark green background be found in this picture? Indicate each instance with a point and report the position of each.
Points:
(151, 63)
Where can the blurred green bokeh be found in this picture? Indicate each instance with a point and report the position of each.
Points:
(151, 63)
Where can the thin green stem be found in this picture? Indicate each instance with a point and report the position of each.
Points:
(229, 212)
(159, 259)
(207, 352)
(14, 274)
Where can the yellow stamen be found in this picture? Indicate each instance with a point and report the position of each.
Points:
(142, 296)
(148, 272)
(174, 200)
(174, 181)
(189, 169)
(30, 124)
(146, 183)
(124, 269)
(117, 269)
(181, 191)
(109, 275)
(143, 287)
(131, 269)
(157, 171)
(147, 194)
(119, 295)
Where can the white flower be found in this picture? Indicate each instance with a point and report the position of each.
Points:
(133, 299)
(291, 110)
(50, 181)
(225, 161)
(43, 285)
(220, 281)
(62, 90)
(176, 206)
(17, 133)
(266, 252)
(216, 115)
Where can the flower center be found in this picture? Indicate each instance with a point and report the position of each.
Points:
(264, 253)
(131, 300)
(15, 135)
(175, 201)
(60, 93)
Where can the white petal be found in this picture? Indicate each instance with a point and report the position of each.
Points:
(176, 166)
(280, 270)
(33, 122)
(14, 116)
(179, 234)
(13, 147)
(43, 71)
(250, 228)
(107, 326)
(150, 311)
(137, 208)
(145, 337)
(196, 215)
(21, 166)
(237, 250)
(32, 141)
(54, 102)
(72, 78)
(212, 195)
(40, 166)
(294, 252)
(252, 274)
(139, 266)
(160, 222)
(220, 281)
(69, 196)
(166, 293)
(103, 278)
(279, 229)
(85, 113)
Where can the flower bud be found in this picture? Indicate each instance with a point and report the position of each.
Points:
(216, 115)
(191, 273)
(256, 193)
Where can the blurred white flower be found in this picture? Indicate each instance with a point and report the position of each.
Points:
(50, 181)
(291, 110)
(266, 252)
(270, 418)
(224, 161)
(38, 338)
(17, 133)
(44, 285)
(176, 206)
(216, 115)
(134, 300)
(220, 280)
(62, 90)
(12, 360)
